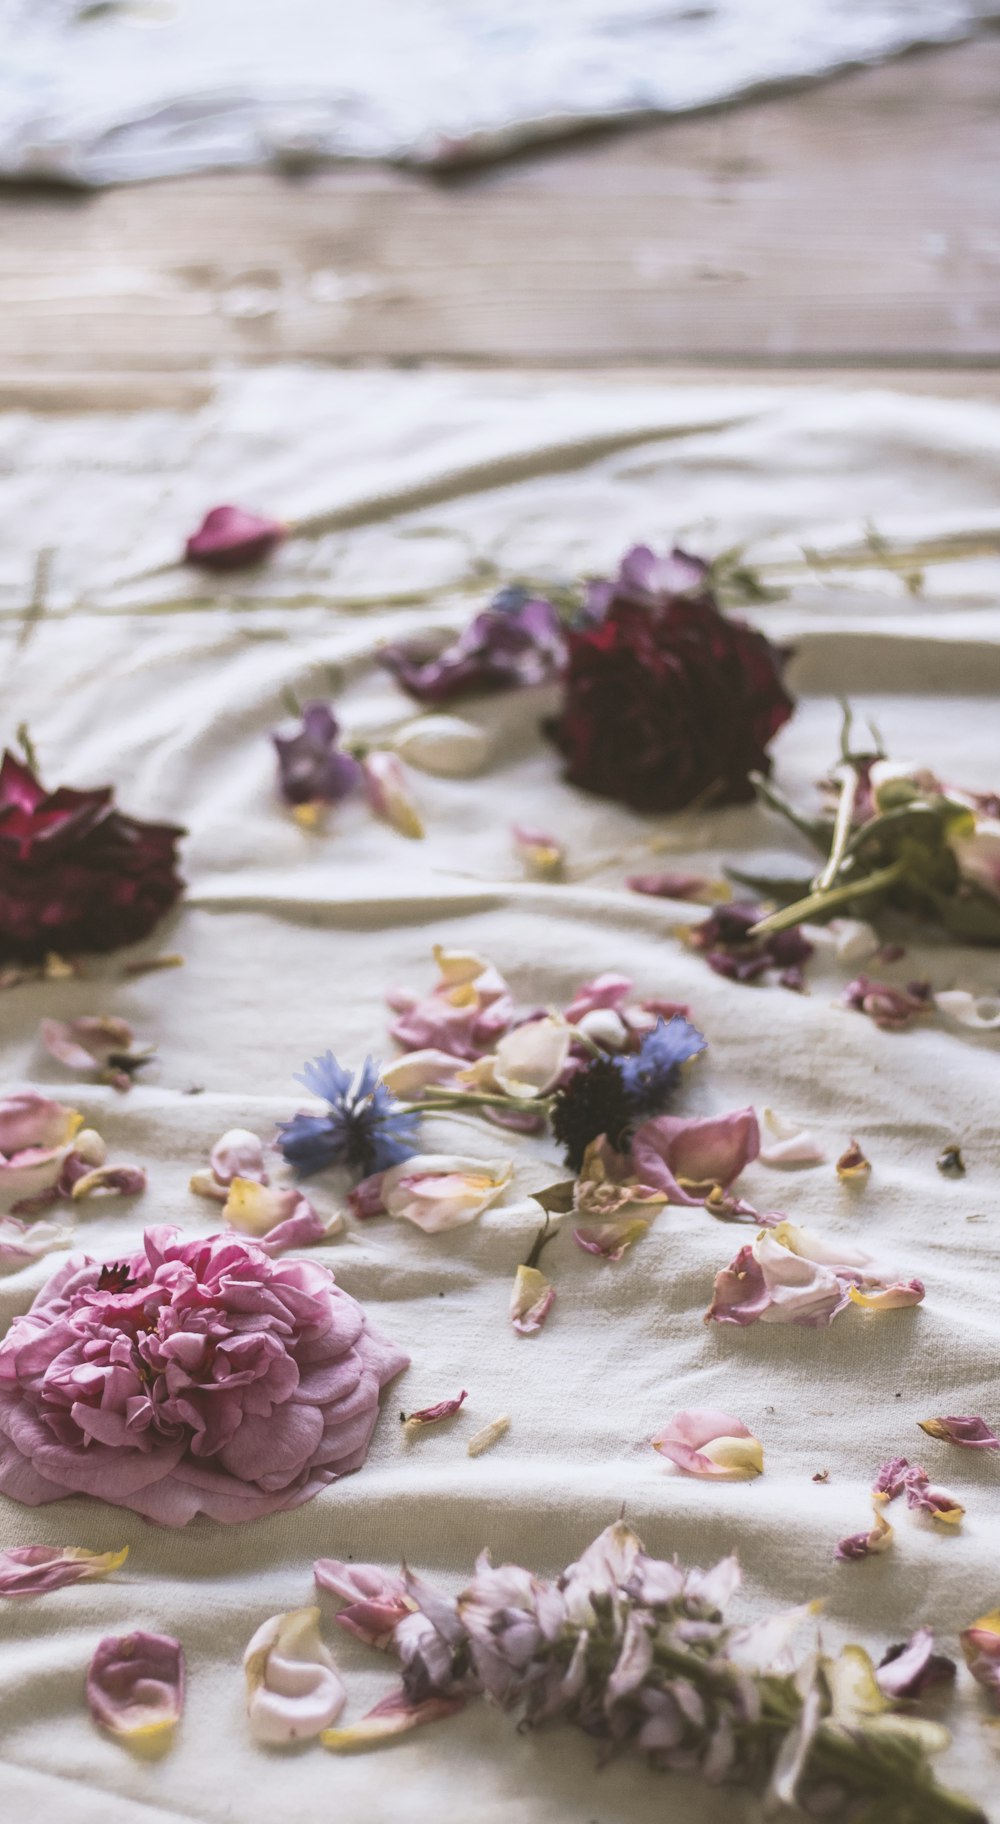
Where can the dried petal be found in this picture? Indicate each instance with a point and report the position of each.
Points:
(409, 1076)
(937, 1503)
(96, 1044)
(389, 795)
(303, 1229)
(791, 1276)
(484, 1440)
(431, 1415)
(135, 1685)
(611, 1239)
(686, 1157)
(530, 1300)
(891, 1008)
(980, 1644)
(230, 536)
(852, 1163)
(31, 1570)
(697, 887)
(704, 1442)
(894, 1297)
(950, 1163)
(862, 1545)
(913, 1667)
(110, 1181)
(980, 1011)
(376, 1601)
(528, 1061)
(974, 1433)
(787, 1143)
(22, 1242)
(36, 1139)
(395, 1715)
(434, 1191)
(445, 745)
(890, 1479)
(293, 1687)
(542, 856)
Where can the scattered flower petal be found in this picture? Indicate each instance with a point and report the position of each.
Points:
(728, 1208)
(855, 940)
(110, 1181)
(529, 1060)
(409, 1076)
(432, 1415)
(685, 1157)
(303, 1229)
(31, 1570)
(890, 1479)
(434, 1191)
(677, 886)
(981, 1011)
(790, 1276)
(230, 536)
(972, 1432)
(787, 1142)
(516, 641)
(541, 855)
(23, 1242)
(891, 1008)
(704, 1442)
(725, 942)
(236, 1154)
(135, 1685)
(611, 1239)
(852, 1163)
(980, 1644)
(530, 1301)
(376, 1601)
(466, 1013)
(96, 1044)
(293, 1687)
(614, 1205)
(484, 1440)
(387, 788)
(444, 745)
(922, 1496)
(913, 1667)
(950, 1163)
(36, 1139)
(863, 1545)
(395, 1715)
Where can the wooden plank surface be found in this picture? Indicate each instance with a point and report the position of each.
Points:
(850, 223)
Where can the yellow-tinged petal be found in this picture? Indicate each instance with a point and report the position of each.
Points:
(491, 1434)
(99, 1564)
(309, 816)
(740, 1457)
(855, 1693)
(987, 1624)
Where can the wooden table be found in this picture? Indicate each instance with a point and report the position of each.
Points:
(852, 224)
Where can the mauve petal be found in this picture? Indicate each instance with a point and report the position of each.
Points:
(31, 1570)
(135, 1684)
(230, 536)
(686, 1157)
(293, 1687)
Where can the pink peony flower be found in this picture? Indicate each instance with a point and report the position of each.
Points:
(192, 1377)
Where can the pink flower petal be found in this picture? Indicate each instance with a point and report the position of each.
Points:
(395, 1715)
(135, 1685)
(980, 1644)
(973, 1433)
(669, 886)
(862, 1545)
(907, 1671)
(293, 1687)
(432, 1415)
(230, 536)
(686, 1156)
(530, 1301)
(733, 1450)
(377, 1602)
(23, 1242)
(607, 990)
(31, 1570)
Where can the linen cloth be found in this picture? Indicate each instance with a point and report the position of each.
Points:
(132, 89)
(129, 669)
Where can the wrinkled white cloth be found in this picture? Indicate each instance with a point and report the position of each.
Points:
(128, 89)
(166, 683)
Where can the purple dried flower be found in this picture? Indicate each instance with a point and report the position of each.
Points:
(517, 640)
(312, 769)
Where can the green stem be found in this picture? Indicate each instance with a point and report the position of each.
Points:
(815, 832)
(828, 900)
(442, 1098)
(841, 830)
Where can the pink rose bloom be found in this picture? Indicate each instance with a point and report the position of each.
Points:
(193, 1377)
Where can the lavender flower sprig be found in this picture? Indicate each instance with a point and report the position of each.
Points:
(637, 1652)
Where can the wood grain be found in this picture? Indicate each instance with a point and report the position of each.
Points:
(850, 223)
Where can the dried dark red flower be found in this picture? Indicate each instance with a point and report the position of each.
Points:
(667, 700)
(75, 873)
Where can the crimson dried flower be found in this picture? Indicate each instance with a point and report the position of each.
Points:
(76, 874)
(666, 699)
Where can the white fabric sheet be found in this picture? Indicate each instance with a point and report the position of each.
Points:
(126, 89)
(144, 674)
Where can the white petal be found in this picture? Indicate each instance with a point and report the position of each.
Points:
(293, 1687)
(444, 745)
(981, 1011)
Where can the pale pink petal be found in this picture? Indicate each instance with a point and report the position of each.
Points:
(23, 1242)
(787, 1143)
(705, 1442)
(937, 1503)
(135, 1685)
(110, 1181)
(395, 1715)
(542, 855)
(238, 1154)
(416, 1071)
(303, 1229)
(611, 1239)
(608, 990)
(907, 1671)
(377, 1602)
(438, 1192)
(862, 1545)
(388, 790)
(980, 1644)
(293, 1687)
(31, 1570)
(686, 1156)
(432, 1415)
(531, 1300)
(973, 1433)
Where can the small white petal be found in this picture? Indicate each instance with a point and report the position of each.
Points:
(981, 1011)
(445, 745)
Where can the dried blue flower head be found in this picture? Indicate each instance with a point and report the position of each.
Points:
(650, 1073)
(364, 1126)
(612, 1095)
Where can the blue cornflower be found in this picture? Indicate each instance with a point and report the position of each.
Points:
(650, 1073)
(365, 1127)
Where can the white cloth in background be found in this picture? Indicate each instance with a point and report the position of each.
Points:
(108, 93)
(167, 684)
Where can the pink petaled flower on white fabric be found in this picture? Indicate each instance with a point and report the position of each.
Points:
(434, 1191)
(196, 1376)
(466, 1013)
(685, 1157)
(705, 1442)
(789, 1276)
